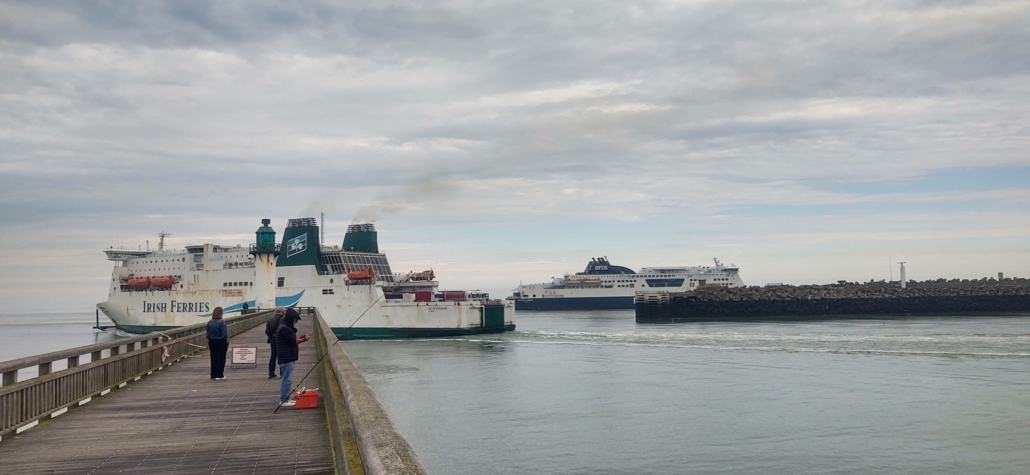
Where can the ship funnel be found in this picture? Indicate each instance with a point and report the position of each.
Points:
(361, 238)
(300, 244)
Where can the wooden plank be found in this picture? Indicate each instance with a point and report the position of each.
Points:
(178, 420)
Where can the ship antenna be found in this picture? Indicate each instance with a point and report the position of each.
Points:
(161, 243)
(322, 240)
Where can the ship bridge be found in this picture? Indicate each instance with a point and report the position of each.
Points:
(125, 254)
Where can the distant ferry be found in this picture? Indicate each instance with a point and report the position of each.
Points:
(352, 286)
(605, 286)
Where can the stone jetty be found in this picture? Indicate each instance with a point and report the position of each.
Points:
(839, 300)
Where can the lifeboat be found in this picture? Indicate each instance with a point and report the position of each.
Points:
(139, 282)
(575, 279)
(424, 275)
(363, 274)
(165, 281)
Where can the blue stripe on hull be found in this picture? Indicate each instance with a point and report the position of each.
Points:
(580, 303)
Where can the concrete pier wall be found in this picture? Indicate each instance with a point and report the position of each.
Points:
(360, 415)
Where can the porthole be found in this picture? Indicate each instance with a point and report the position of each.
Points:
(330, 281)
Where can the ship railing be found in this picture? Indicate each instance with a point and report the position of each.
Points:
(359, 426)
(70, 378)
(253, 248)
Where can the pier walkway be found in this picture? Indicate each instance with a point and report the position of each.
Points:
(151, 407)
(181, 421)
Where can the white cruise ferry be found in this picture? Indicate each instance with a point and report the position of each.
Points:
(352, 286)
(605, 286)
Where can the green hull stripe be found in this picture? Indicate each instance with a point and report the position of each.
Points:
(142, 329)
(379, 333)
(366, 333)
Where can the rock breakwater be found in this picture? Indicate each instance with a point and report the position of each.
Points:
(834, 301)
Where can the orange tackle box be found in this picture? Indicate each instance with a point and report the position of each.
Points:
(307, 399)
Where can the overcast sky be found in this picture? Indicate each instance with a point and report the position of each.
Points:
(499, 142)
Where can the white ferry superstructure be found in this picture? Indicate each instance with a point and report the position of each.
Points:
(352, 286)
(604, 286)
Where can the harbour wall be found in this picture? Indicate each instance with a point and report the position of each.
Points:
(364, 438)
(834, 301)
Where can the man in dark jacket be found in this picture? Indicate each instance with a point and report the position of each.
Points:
(287, 343)
(270, 327)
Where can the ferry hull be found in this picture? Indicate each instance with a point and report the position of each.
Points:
(387, 333)
(575, 303)
(353, 311)
(353, 288)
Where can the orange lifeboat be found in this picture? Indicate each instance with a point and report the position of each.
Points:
(139, 282)
(364, 274)
(424, 275)
(166, 281)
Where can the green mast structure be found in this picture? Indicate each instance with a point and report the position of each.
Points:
(265, 254)
(265, 239)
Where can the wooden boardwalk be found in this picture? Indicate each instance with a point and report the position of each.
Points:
(180, 421)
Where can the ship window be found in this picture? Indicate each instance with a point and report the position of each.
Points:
(225, 284)
(282, 281)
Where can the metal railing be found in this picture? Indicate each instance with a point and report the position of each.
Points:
(358, 423)
(23, 402)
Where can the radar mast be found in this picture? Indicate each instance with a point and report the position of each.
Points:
(161, 243)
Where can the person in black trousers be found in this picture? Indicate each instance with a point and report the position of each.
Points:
(218, 343)
(270, 327)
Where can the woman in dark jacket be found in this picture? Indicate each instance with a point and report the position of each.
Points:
(218, 343)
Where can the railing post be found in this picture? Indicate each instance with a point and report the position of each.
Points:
(73, 361)
(115, 350)
(10, 377)
(94, 356)
(44, 368)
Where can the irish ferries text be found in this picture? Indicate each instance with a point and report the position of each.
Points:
(176, 307)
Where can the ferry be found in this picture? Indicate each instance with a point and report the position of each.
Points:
(603, 286)
(352, 285)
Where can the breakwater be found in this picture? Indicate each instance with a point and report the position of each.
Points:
(841, 300)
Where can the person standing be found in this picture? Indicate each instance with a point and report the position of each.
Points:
(270, 327)
(218, 343)
(287, 345)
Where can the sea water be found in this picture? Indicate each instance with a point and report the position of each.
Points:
(30, 334)
(597, 393)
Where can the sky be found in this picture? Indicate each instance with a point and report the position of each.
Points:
(511, 141)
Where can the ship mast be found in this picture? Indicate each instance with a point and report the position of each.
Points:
(161, 243)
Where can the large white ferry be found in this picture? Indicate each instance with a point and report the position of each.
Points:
(352, 286)
(605, 286)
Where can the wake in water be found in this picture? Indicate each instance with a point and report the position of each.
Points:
(943, 345)
(933, 345)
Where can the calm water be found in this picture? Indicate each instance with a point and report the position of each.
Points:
(36, 333)
(596, 393)
(581, 392)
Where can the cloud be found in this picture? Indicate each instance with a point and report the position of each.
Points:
(199, 117)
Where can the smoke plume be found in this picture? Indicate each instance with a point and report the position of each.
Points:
(412, 196)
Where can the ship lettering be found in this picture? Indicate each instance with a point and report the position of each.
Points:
(181, 307)
(149, 307)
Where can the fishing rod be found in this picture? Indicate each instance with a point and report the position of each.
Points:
(326, 353)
